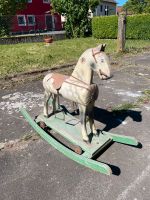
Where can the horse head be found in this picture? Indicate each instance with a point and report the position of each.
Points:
(100, 62)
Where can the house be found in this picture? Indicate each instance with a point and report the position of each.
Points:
(105, 8)
(36, 17)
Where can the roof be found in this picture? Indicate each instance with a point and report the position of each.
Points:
(110, 1)
(119, 9)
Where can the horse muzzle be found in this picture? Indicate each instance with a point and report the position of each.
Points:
(103, 75)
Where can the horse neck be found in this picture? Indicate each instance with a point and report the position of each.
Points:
(83, 73)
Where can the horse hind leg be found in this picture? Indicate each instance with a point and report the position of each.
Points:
(54, 103)
(46, 99)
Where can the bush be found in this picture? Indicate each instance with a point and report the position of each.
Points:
(138, 27)
(105, 27)
(5, 24)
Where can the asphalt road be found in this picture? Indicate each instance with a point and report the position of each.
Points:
(35, 170)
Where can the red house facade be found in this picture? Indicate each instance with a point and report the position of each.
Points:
(36, 17)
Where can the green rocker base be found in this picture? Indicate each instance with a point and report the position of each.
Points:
(69, 127)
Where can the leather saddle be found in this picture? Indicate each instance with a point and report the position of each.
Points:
(58, 80)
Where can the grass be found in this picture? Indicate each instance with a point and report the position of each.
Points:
(25, 57)
(145, 98)
(30, 136)
(123, 107)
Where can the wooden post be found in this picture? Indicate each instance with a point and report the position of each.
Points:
(121, 33)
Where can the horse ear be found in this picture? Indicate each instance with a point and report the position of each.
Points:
(102, 47)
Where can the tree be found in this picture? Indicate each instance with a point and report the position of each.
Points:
(93, 4)
(7, 9)
(76, 13)
(147, 7)
(138, 6)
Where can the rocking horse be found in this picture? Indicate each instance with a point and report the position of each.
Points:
(79, 88)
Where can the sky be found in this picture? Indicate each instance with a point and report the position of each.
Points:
(120, 2)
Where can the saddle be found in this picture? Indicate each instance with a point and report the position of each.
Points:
(58, 80)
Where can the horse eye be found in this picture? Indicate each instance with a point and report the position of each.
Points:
(102, 60)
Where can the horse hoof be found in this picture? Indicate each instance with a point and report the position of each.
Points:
(96, 135)
(35, 118)
(87, 141)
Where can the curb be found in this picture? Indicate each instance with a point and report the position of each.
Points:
(37, 71)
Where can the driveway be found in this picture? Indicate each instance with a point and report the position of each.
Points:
(33, 169)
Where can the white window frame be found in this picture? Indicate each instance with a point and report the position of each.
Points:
(24, 20)
(33, 16)
(45, 1)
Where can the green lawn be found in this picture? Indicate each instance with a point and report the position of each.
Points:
(25, 57)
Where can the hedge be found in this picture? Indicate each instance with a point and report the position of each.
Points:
(106, 27)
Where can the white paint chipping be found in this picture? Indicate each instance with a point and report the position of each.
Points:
(107, 87)
(122, 122)
(134, 184)
(128, 93)
(141, 74)
(147, 108)
(6, 96)
(13, 102)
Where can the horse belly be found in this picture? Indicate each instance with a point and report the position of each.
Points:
(75, 93)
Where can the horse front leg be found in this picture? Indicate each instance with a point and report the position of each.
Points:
(91, 118)
(83, 123)
(92, 124)
(47, 96)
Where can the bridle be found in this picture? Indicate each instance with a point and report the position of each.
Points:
(93, 54)
(100, 71)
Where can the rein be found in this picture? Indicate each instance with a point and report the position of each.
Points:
(80, 80)
(77, 84)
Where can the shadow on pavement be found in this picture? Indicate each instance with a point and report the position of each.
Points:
(114, 119)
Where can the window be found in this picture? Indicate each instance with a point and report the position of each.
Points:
(29, 1)
(106, 10)
(31, 20)
(21, 20)
(101, 8)
(46, 1)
